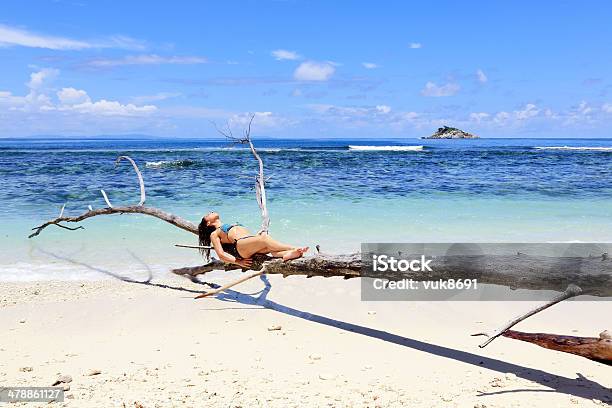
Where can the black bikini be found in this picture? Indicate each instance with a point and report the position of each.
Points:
(232, 248)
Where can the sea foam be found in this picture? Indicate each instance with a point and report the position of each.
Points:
(387, 148)
(170, 163)
(596, 148)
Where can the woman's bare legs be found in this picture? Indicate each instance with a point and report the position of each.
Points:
(263, 244)
(280, 254)
(294, 253)
(275, 246)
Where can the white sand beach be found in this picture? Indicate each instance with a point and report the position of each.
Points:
(300, 342)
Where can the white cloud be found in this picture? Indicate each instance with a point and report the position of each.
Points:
(431, 89)
(145, 59)
(108, 108)
(383, 109)
(369, 65)
(528, 111)
(285, 55)
(479, 117)
(122, 42)
(36, 98)
(584, 108)
(607, 107)
(314, 71)
(12, 36)
(501, 117)
(37, 79)
(261, 119)
(350, 111)
(373, 118)
(583, 113)
(480, 75)
(516, 117)
(535, 117)
(68, 100)
(415, 45)
(72, 96)
(12, 102)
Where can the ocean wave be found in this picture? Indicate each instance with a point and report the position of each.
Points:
(594, 148)
(387, 148)
(170, 164)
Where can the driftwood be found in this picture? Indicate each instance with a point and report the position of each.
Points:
(571, 291)
(594, 348)
(229, 285)
(593, 277)
(134, 209)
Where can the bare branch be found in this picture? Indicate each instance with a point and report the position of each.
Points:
(108, 203)
(260, 180)
(232, 284)
(227, 133)
(69, 228)
(138, 173)
(247, 132)
(140, 182)
(135, 209)
(194, 246)
(260, 192)
(571, 291)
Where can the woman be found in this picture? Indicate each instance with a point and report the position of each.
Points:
(235, 244)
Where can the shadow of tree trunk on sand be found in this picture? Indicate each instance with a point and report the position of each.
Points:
(579, 386)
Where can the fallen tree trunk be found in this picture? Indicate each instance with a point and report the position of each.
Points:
(594, 348)
(593, 276)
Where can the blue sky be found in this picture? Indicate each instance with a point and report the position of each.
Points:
(306, 68)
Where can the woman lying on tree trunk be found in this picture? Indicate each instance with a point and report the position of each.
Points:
(233, 243)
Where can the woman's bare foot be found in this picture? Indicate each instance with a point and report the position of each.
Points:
(295, 253)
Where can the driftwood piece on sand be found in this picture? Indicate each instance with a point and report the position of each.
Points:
(594, 348)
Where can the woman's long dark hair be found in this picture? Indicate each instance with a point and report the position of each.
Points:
(204, 232)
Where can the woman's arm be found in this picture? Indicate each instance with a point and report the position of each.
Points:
(224, 256)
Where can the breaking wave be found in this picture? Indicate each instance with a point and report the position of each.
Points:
(387, 148)
(593, 148)
(170, 164)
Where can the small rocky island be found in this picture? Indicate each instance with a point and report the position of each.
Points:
(448, 132)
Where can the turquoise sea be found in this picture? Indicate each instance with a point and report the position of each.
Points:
(336, 193)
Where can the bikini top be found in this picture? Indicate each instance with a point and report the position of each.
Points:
(226, 227)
